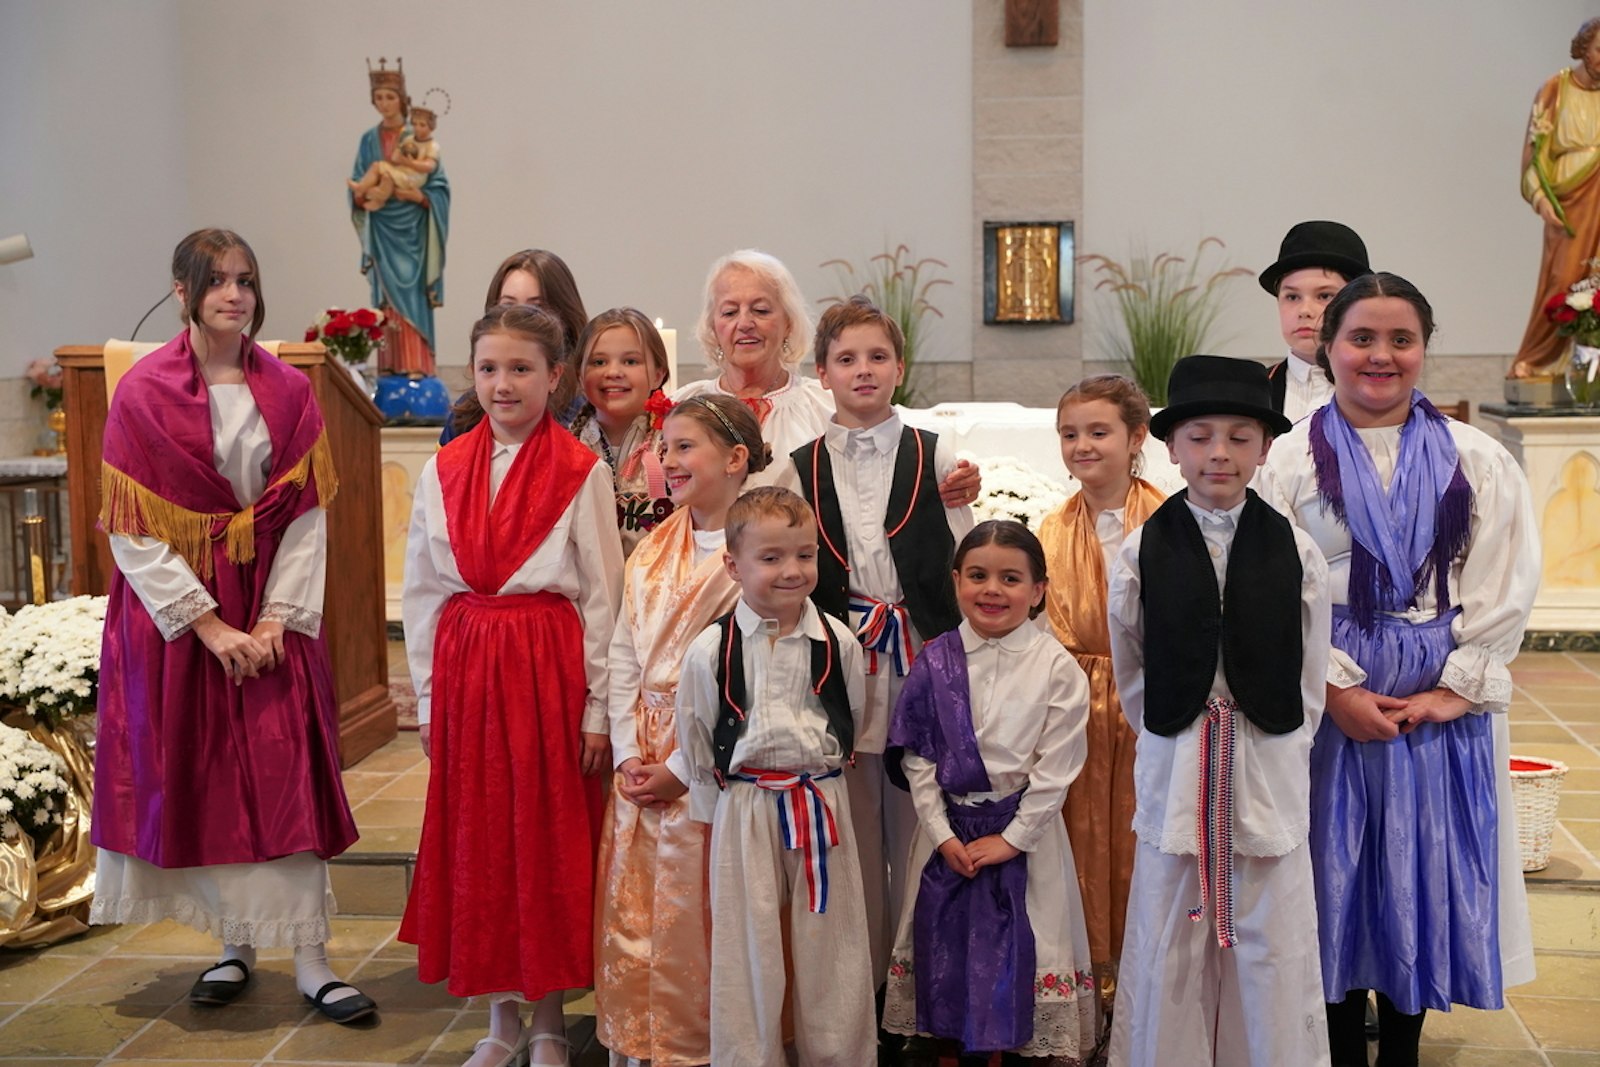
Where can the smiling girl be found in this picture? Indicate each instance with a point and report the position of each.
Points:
(512, 584)
(1103, 422)
(1431, 541)
(653, 975)
(621, 364)
(992, 950)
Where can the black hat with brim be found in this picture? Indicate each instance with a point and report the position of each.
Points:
(1218, 385)
(1329, 245)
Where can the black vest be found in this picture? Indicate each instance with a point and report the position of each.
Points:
(1278, 382)
(920, 541)
(827, 681)
(1256, 622)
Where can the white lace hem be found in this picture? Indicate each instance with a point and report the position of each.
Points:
(1063, 1022)
(174, 619)
(293, 616)
(1474, 674)
(1344, 672)
(258, 933)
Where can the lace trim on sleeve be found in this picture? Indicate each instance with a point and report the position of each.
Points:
(1343, 672)
(174, 619)
(300, 620)
(1484, 682)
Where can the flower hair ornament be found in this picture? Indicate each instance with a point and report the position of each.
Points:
(658, 406)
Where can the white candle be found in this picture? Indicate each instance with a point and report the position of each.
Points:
(669, 338)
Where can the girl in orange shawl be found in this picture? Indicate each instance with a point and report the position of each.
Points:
(1103, 422)
(653, 924)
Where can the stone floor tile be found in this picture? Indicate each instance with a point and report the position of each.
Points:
(96, 941)
(353, 936)
(1587, 732)
(1526, 735)
(360, 785)
(386, 811)
(1565, 921)
(1576, 805)
(211, 1034)
(26, 976)
(1469, 1026)
(1572, 1059)
(1582, 779)
(169, 939)
(70, 1030)
(412, 785)
(1520, 711)
(397, 1037)
(1572, 711)
(396, 949)
(1587, 832)
(1465, 1056)
(402, 754)
(402, 839)
(1564, 976)
(1560, 1023)
(123, 980)
(395, 986)
(370, 889)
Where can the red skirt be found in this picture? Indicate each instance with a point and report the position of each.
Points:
(503, 897)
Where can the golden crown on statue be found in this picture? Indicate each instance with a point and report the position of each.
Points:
(384, 78)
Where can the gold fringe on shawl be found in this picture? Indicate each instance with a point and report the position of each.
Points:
(127, 507)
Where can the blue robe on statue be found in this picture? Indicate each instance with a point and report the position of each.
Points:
(402, 243)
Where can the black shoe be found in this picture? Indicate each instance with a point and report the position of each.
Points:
(214, 991)
(348, 1010)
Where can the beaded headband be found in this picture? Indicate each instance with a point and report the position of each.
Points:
(727, 423)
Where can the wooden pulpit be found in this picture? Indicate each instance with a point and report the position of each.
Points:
(352, 619)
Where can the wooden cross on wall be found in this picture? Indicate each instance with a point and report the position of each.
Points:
(1033, 23)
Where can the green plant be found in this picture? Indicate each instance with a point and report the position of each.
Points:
(894, 281)
(1168, 307)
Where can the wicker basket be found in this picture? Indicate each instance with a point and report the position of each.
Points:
(1535, 789)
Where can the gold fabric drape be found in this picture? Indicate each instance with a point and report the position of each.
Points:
(44, 898)
(1099, 810)
(653, 923)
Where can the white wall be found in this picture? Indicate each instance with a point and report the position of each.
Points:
(1240, 118)
(92, 168)
(639, 141)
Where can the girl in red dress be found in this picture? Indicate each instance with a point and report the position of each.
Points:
(513, 580)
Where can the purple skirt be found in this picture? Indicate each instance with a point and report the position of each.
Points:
(1403, 842)
(972, 942)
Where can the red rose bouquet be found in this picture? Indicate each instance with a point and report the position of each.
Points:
(350, 335)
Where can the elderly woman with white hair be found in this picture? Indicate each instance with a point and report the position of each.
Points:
(755, 330)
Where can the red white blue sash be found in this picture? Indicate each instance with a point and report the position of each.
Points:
(805, 820)
(882, 627)
(1214, 818)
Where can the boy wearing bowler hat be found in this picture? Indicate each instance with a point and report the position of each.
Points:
(1220, 620)
(1315, 261)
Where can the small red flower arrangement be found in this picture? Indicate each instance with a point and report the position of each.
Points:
(657, 406)
(350, 335)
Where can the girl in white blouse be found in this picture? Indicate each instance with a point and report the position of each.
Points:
(1428, 530)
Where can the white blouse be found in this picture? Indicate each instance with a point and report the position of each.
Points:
(1030, 711)
(787, 728)
(801, 408)
(580, 559)
(1271, 772)
(863, 471)
(1494, 581)
(168, 587)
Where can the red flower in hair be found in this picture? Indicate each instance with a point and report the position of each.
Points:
(365, 318)
(657, 405)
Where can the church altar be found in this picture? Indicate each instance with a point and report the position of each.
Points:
(1559, 449)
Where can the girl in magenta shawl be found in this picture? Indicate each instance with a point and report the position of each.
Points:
(218, 799)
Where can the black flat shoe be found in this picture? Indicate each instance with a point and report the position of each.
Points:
(348, 1010)
(213, 991)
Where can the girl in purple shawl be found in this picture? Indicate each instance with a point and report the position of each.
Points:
(1429, 533)
(218, 799)
(992, 950)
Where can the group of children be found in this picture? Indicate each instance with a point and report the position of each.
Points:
(843, 724)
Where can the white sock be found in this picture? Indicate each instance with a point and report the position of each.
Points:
(505, 1024)
(222, 972)
(311, 973)
(547, 1020)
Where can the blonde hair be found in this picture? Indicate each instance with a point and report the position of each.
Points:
(771, 270)
(765, 502)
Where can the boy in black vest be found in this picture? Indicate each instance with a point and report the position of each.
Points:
(884, 566)
(769, 712)
(1315, 261)
(1220, 622)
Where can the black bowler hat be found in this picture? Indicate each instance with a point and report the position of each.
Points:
(1218, 385)
(1330, 245)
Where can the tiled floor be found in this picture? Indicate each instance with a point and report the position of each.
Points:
(118, 995)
